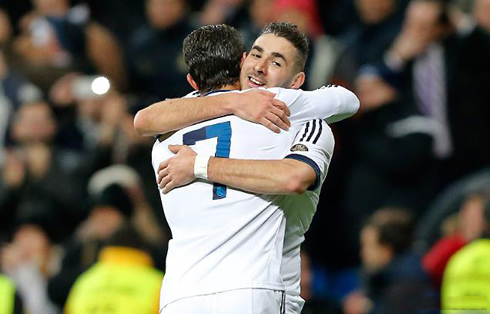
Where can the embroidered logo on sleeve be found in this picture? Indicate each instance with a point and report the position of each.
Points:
(299, 148)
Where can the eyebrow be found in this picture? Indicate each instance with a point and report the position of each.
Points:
(258, 48)
(274, 53)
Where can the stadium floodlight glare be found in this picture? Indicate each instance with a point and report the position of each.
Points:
(100, 85)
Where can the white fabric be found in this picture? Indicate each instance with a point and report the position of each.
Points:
(300, 209)
(237, 242)
(242, 301)
(201, 166)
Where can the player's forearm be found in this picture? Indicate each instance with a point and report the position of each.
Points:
(175, 114)
(262, 176)
(348, 105)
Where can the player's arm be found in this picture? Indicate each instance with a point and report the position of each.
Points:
(287, 176)
(258, 106)
(303, 168)
(332, 103)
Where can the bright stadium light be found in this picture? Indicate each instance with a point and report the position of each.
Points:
(100, 85)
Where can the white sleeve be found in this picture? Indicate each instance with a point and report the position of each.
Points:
(314, 145)
(331, 103)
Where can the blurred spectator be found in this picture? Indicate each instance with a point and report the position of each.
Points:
(11, 302)
(121, 281)
(38, 177)
(154, 54)
(260, 14)
(57, 39)
(447, 205)
(145, 219)
(380, 22)
(102, 128)
(337, 16)
(364, 42)
(469, 96)
(394, 279)
(481, 10)
(121, 17)
(110, 209)
(324, 50)
(222, 11)
(5, 28)
(30, 259)
(433, 68)
(97, 115)
(469, 226)
(426, 39)
(314, 304)
(14, 91)
(466, 282)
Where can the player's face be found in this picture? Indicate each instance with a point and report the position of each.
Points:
(271, 63)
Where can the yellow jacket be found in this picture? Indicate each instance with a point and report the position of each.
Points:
(7, 295)
(466, 282)
(123, 281)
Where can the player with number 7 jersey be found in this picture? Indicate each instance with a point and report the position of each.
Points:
(227, 239)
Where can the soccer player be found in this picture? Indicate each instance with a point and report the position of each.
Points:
(276, 59)
(313, 134)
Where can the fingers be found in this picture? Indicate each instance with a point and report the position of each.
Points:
(281, 105)
(163, 165)
(169, 187)
(164, 182)
(283, 117)
(271, 126)
(161, 175)
(175, 148)
(274, 119)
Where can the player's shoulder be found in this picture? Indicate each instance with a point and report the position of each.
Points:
(298, 95)
(282, 90)
(318, 132)
(288, 96)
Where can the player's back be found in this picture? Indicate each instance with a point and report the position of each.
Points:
(223, 238)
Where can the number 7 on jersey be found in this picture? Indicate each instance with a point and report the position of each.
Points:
(222, 131)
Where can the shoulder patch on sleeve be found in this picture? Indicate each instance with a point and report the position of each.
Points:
(299, 148)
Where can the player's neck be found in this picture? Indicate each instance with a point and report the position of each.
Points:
(226, 87)
(231, 86)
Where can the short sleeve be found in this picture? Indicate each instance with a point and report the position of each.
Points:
(314, 145)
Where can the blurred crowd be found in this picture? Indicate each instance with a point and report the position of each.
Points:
(409, 184)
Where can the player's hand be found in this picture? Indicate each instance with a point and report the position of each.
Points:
(178, 170)
(260, 106)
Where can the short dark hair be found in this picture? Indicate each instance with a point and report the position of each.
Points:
(297, 38)
(126, 235)
(394, 227)
(212, 54)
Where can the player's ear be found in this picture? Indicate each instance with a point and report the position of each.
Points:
(191, 82)
(243, 59)
(298, 80)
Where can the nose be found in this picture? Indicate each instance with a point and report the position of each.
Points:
(260, 66)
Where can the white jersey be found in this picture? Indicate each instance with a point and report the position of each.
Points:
(314, 145)
(224, 238)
